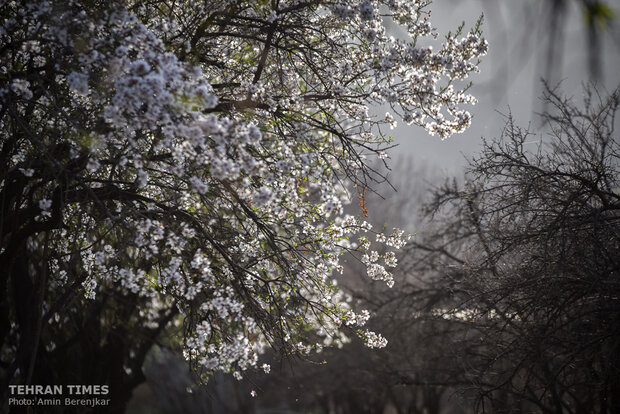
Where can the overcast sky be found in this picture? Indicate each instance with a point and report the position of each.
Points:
(517, 31)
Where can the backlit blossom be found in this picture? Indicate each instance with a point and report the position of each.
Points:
(200, 169)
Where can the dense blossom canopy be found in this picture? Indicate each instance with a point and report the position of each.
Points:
(193, 158)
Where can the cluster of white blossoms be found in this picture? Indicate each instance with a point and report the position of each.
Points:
(204, 166)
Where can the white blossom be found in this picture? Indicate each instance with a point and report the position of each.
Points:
(203, 177)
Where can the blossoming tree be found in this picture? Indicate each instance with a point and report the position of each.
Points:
(181, 167)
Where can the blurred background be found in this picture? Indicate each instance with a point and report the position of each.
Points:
(569, 43)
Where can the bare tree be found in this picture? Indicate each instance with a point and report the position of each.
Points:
(527, 254)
